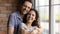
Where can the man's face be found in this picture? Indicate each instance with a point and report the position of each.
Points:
(26, 7)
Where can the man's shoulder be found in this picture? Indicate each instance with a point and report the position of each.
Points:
(14, 13)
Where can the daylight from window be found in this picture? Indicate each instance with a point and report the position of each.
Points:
(42, 7)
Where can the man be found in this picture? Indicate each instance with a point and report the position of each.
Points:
(16, 17)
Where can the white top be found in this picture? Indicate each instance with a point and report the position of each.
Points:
(24, 26)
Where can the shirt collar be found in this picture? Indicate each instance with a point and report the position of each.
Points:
(18, 16)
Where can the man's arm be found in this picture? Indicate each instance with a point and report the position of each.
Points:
(11, 23)
(10, 30)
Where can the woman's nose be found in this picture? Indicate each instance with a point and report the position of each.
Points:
(30, 15)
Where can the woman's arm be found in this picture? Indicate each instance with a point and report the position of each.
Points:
(37, 30)
(40, 30)
(23, 31)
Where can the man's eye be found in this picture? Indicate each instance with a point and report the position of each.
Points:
(28, 7)
(25, 6)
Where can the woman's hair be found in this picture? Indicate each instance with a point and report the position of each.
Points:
(35, 22)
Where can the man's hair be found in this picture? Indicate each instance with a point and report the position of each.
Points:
(23, 1)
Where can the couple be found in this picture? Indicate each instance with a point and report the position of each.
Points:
(30, 23)
(17, 23)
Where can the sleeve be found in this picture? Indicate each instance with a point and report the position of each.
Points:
(22, 26)
(34, 27)
(11, 21)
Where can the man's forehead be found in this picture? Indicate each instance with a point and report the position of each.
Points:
(26, 2)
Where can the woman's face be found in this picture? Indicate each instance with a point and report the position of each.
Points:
(31, 16)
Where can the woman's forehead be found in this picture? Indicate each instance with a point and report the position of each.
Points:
(32, 11)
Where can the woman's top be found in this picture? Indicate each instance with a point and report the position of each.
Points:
(24, 26)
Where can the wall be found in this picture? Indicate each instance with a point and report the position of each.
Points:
(6, 7)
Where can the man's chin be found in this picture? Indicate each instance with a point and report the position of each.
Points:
(29, 20)
(24, 13)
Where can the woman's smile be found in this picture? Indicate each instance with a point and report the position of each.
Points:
(31, 16)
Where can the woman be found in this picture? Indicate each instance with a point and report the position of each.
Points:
(31, 24)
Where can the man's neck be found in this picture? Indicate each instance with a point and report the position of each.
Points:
(21, 15)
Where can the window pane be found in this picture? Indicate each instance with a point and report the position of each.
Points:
(56, 2)
(43, 8)
(42, 2)
(44, 18)
(44, 13)
(57, 12)
(57, 18)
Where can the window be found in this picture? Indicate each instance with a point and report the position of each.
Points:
(56, 6)
(43, 8)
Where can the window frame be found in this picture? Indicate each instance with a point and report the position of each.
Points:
(51, 17)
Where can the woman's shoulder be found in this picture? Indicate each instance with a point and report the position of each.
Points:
(22, 25)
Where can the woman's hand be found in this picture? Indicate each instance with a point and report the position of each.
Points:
(40, 30)
(37, 31)
(33, 32)
(23, 31)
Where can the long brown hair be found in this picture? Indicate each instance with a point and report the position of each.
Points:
(35, 22)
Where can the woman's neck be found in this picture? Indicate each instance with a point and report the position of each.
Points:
(28, 23)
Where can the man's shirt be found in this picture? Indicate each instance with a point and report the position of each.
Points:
(14, 21)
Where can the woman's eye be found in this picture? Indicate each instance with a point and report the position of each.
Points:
(32, 15)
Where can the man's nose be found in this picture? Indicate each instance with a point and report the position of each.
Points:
(26, 8)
